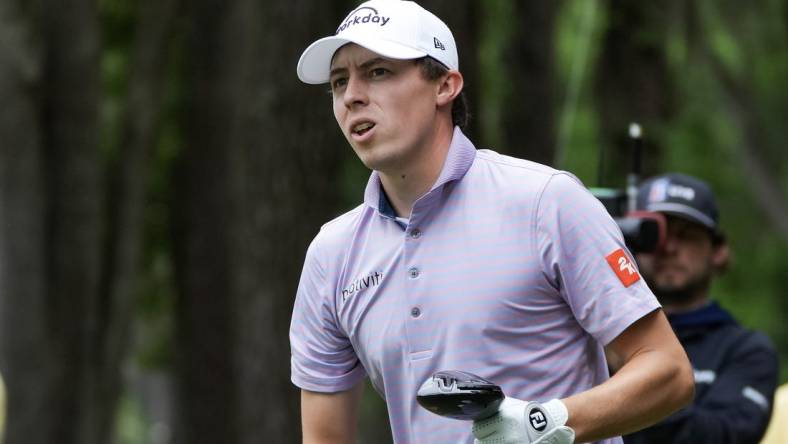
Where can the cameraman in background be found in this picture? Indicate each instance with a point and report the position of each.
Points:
(735, 369)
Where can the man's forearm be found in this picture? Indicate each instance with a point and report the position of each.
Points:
(650, 386)
(655, 379)
(330, 418)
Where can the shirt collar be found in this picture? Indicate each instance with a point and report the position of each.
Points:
(458, 160)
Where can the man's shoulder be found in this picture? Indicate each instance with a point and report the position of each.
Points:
(756, 339)
(334, 235)
(504, 161)
(341, 227)
(525, 170)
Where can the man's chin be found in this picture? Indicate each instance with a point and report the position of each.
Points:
(671, 292)
(673, 295)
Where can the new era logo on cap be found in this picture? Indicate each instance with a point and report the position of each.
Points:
(438, 44)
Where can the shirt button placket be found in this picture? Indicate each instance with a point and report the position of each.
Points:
(417, 340)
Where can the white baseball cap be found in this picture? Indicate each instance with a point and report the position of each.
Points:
(396, 29)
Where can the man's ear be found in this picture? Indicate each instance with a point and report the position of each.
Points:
(721, 257)
(449, 87)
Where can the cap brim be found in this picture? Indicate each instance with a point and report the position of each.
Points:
(684, 212)
(314, 66)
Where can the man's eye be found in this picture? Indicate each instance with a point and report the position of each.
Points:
(338, 83)
(377, 72)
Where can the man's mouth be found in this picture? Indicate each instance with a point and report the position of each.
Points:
(363, 128)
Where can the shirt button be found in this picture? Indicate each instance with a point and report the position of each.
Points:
(415, 312)
(415, 233)
(413, 273)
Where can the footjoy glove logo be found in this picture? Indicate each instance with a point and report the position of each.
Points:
(537, 419)
(362, 15)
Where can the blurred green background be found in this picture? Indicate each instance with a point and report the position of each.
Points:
(162, 171)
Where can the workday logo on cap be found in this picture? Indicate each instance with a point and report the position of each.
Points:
(363, 15)
(397, 29)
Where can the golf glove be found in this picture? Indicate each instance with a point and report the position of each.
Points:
(520, 422)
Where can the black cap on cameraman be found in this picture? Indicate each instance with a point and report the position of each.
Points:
(682, 196)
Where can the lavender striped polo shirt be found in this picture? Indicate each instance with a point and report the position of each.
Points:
(501, 271)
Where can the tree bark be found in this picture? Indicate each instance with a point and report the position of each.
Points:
(632, 84)
(746, 115)
(203, 222)
(291, 165)
(67, 260)
(127, 178)
(51, 239)
(528, 114)
(25, 361)
(462, 17)
(256, 181)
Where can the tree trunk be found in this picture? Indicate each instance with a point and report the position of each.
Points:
(760, 172)
(632, 84)
(528, 111)
(127, 179)
(462, 17)
(27, 366)
(66, 261)
(256, 181)
(51, 240)
(203, 221)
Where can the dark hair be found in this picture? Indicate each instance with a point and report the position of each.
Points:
(432, 69)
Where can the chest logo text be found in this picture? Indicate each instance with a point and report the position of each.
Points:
(371, 280)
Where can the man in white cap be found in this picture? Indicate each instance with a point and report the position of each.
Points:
(464, 259)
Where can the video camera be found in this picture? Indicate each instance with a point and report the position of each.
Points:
(644, 231)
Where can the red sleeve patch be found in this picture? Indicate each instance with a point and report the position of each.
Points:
(623, 267)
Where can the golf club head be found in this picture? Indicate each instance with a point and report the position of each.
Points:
(460, 395)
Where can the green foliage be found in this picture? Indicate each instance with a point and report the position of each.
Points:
(578, 31)
(705, 137)
(496, 26)
(131, 428)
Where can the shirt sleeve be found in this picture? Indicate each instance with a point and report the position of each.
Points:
(322, 357)
(584, 257)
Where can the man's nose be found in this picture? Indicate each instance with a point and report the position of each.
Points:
(355, 92)
(671, 243)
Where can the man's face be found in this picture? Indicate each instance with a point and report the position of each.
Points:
(683, 269)
(385, 107)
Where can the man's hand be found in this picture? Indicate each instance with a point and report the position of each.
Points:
(520, 422)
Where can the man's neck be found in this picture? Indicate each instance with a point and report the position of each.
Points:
(403, 188)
